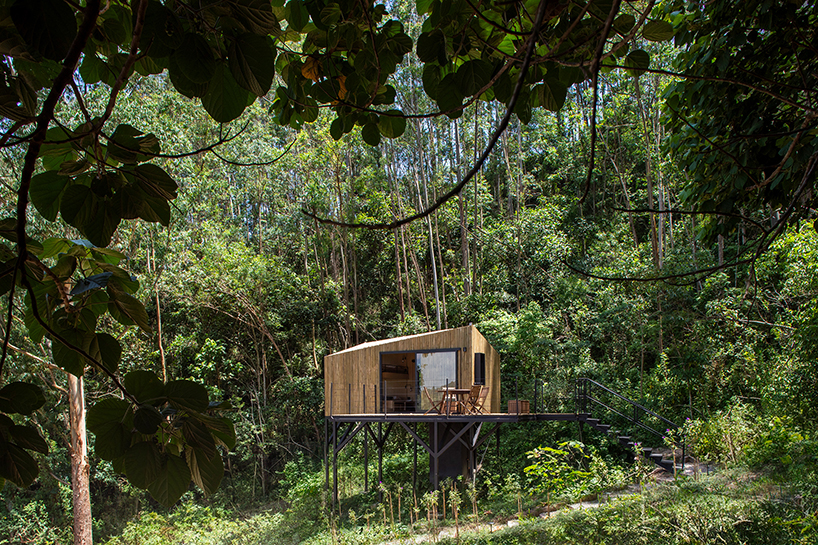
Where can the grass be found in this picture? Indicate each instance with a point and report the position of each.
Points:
(731, 507)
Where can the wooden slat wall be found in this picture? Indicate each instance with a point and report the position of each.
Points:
(350, 373)
(480, 344)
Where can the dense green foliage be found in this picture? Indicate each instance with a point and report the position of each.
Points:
(200, 328)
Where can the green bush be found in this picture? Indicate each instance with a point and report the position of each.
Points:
(190, 523)
(725, 437)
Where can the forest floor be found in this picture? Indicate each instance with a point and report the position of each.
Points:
(656, 478)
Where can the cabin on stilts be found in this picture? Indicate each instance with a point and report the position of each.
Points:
(440, 387)
(443, 389)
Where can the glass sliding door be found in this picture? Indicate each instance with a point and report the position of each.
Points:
(435, 370)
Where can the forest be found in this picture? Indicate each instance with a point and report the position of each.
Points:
(203, 199)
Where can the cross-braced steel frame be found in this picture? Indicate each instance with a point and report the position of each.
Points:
(444, 431)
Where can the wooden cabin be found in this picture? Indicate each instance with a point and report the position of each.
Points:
(389, 376)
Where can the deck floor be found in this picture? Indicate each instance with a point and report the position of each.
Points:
(486, 417)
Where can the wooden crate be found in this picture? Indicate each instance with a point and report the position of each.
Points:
(523, 404)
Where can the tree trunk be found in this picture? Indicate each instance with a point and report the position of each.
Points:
(442, 274)
(721, 250)
(627, 203)
(152, 268)
(423, 201)
(406, 269)
(464, 227)
(80, 469)
(654, 242)
(477, 213)
(399, 279)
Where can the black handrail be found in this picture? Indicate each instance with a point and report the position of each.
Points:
(583, 395)
(623, 398)
(628, 418)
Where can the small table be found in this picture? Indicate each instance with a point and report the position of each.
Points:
(459, 394)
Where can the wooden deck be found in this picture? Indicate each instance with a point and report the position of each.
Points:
(486, 417)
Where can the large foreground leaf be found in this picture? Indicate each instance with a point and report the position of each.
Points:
(173, 481)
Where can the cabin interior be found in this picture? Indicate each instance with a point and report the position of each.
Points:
(405, 374)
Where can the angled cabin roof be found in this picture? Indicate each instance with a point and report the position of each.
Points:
(406, 338)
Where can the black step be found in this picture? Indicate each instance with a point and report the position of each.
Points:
(603, 427)
(592, 421)
(623, 439)
(667, 465)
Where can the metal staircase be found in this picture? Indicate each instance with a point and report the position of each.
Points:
(597, 399)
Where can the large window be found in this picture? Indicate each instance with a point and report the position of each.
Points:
(435, 371)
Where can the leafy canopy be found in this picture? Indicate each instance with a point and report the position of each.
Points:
(339, 55)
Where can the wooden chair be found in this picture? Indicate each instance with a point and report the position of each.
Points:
(474, 396)
(435, 407)
(481, 400)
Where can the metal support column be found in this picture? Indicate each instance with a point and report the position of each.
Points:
(436, 450)
(471, 454)
(326, 458)
(415, 459)
(502, 466)
(366, 461)
(334, 463)
(380, 460)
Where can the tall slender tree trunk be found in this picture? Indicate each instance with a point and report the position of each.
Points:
(406, 269)
(477, 214)
(627, 203)
(721, 250)
(80, 469)
(442, 274)
(344, 258)
(654, 242)
(464, 226)
(152, 268)
(423, 202)
(399, 279)
(355, 291)
(421, 290)
(395, 197)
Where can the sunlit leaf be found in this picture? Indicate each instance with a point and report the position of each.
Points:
(658, 31)
(187, 394)
(206, 470)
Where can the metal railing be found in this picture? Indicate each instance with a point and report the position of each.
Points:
(590, 395)
(543, 395)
